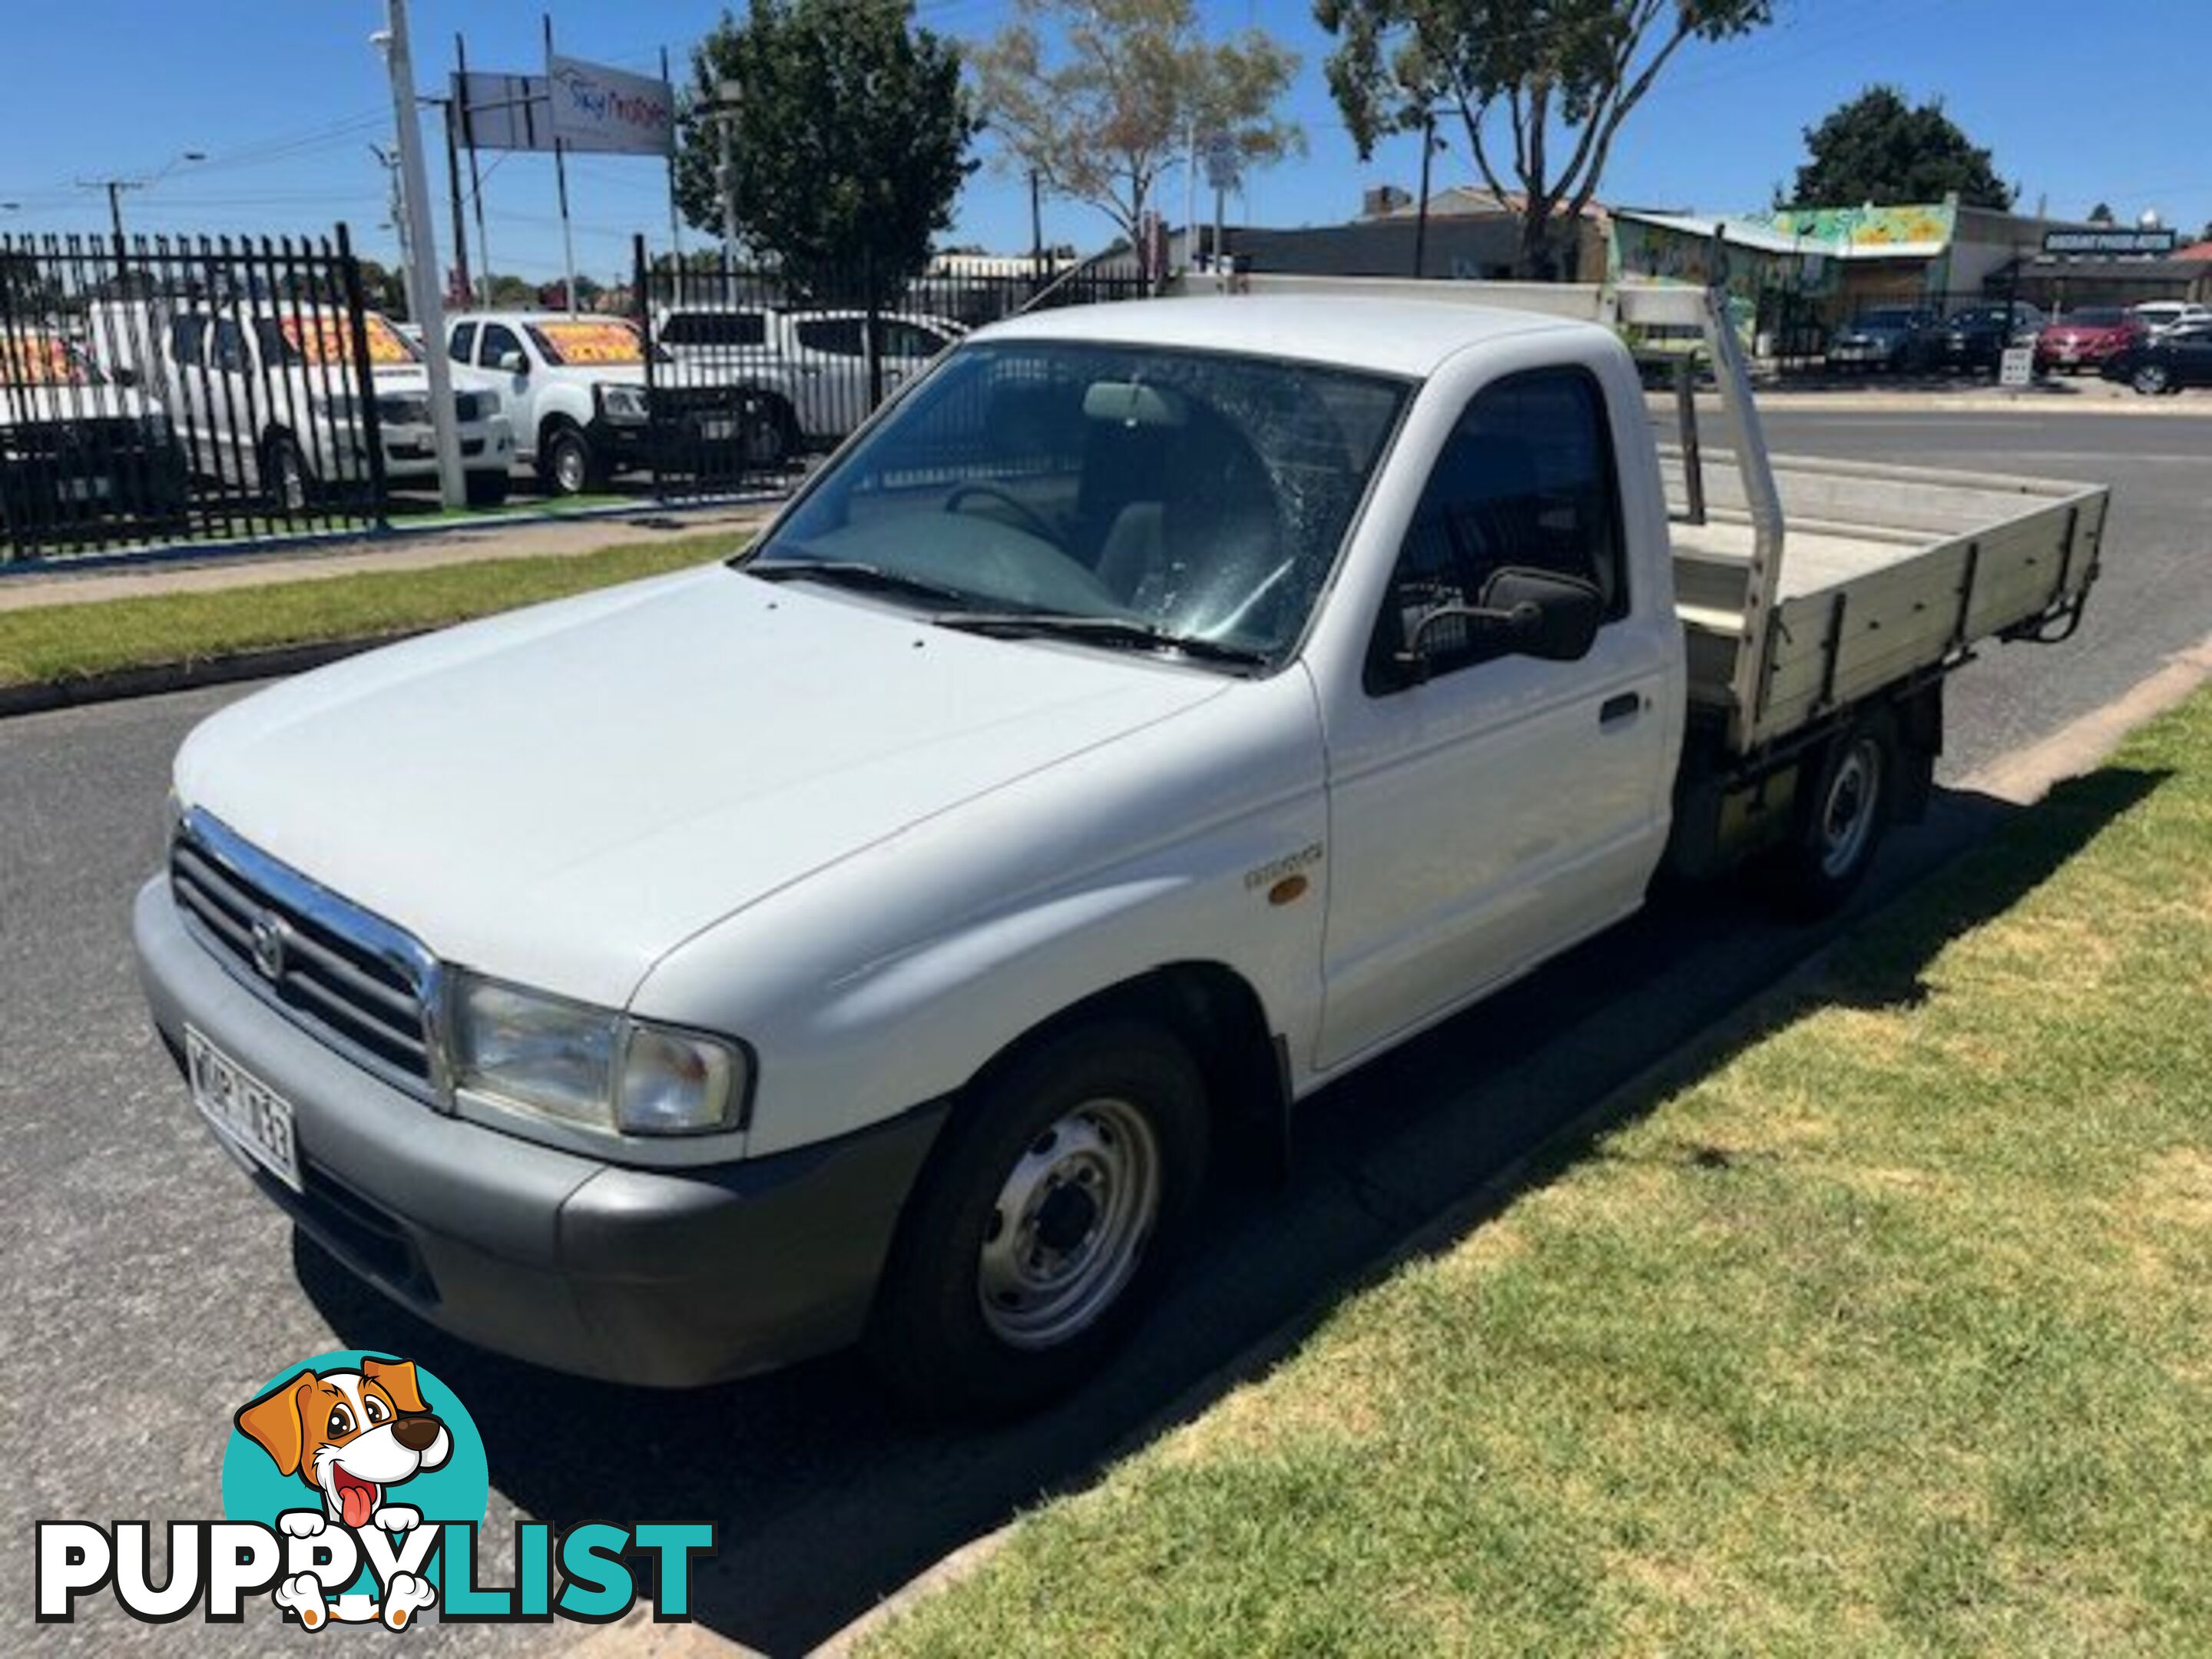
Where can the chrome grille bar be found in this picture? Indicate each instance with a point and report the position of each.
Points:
(364, 986)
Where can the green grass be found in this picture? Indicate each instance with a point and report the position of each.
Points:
(67, 641)
(1890, 1333)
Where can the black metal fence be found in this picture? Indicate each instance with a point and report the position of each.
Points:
(750, 371)
(165, 389)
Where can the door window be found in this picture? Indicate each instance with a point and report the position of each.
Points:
(188, 340)
(1526, 482)
(498, 341)
(838, 336)
(462, 345)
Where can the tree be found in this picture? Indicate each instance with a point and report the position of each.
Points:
(1879, 149)
(849, 132)
(1115, 99)
(2101, 214)
(1565, 74)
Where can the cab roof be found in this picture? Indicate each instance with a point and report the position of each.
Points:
(1410, 337)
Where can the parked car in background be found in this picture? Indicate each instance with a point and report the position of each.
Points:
(2084, 339)
(80, 456)
(812, 365)
(264, 396)
(2162, 364)
(575, 388)
(1978, 337)
(1895, 339)
(2162, 316)
(586, 408)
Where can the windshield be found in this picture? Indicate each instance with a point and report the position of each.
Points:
(44, 360)
(595, 340)
(2096, 317)
(1885, 319)
(325, 338)
(1200, 497)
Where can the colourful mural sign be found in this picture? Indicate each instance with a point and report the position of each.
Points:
(1909, 226)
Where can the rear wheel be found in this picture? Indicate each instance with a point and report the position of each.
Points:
(1044, 1222)
(1844, 817)
(768, 434)
(2152, 379)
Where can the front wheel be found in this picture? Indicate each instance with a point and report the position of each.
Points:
(285, 478)
(1844, 818)
(569, 465)
(2151, 380)
(1043, 1223)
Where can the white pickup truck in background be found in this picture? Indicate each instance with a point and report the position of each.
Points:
(1164, 709)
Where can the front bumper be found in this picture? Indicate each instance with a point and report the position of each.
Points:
(665, 1278)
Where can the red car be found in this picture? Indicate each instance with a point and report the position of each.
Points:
(2084, 339)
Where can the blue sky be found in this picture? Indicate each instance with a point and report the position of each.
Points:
(285, 96)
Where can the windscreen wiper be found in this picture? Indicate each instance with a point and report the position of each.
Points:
(852, 572)
(1116, 633)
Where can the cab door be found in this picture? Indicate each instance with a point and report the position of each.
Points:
(1488, 808)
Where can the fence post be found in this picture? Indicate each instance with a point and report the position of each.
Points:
(873, 344)
(364, 371)
(642, 310)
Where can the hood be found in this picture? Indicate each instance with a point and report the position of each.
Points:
(23, 404)
(562, 795)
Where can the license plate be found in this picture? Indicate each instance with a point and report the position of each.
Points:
(86, 489)
(718, 432)
(245, 1111)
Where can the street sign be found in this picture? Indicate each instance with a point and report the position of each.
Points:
(2113, 240)
(2018, 369)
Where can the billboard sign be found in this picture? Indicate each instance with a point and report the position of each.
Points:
(584, 107)
(2108, 241)
(596, 108)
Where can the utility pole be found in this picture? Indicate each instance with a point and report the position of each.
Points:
(389, 160)
(454, 194)
(116, 186)
(422, 246)
(561, 178)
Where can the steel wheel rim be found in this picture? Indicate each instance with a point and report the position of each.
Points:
(1847, 813)
(568, 469)
(1069, 1225)
(291, 480)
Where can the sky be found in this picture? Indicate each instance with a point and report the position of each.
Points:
(285, 98)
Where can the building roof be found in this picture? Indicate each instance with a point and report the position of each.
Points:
(2195, 251)
(1395, 336)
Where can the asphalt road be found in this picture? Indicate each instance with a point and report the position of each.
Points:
(152, 1290)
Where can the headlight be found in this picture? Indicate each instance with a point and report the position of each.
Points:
(404, 411)
(622, 402)
(578, 1064)
(341, 407)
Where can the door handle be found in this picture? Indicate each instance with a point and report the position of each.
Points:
(1625, 707)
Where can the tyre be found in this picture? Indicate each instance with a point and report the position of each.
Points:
(285, 480)
(769, 435)
(1842, 817)
(567, 463)
(2151, 380)
(487, 489)
(1043, 1223)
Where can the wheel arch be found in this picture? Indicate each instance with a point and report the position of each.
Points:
(1216, 1013)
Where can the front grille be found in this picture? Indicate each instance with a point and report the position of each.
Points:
(675, 401)
(361, 984)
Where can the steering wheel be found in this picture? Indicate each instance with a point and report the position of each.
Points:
(1031, 520)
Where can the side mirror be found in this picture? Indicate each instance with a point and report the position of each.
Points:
(513, 362)
(126, 376)
(1524, 613)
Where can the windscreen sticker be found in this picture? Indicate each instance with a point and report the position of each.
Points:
(323, 338)
(584, 341)
(39, 359)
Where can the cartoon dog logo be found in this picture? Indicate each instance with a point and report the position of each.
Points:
(350, 1436)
